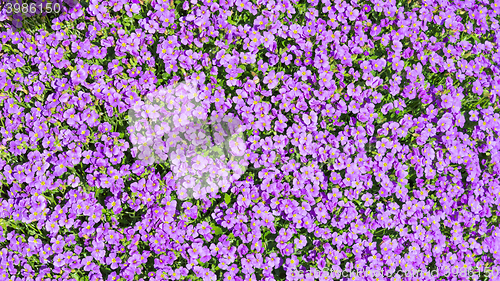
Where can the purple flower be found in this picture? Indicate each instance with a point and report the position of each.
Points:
(351, 13)
(444, 124)
(237, 146)
(113, 261)
(132, 9)
(59, 260)
(271, 79)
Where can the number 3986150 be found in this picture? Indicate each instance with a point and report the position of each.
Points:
(32, 8)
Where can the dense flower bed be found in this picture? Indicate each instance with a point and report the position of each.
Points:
(369, 133)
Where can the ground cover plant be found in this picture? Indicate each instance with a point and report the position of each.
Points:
(250, 140)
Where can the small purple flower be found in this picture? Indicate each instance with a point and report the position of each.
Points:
(351, 13)
(444, 124)
(199, 162)
(113, 260)
(59, 260)
(237, 146)
(132, 9)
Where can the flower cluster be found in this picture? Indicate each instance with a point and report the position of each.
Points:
(171, 124)
(306, 138)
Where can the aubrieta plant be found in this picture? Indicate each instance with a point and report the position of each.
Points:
(172, 125)
(369, 141)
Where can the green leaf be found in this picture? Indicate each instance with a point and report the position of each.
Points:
(227, 198)
(218, 230)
